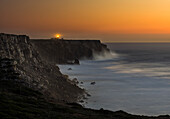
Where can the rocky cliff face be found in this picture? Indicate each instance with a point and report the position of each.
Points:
(37, 74)
(65, 51)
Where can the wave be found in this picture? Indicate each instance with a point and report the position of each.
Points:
(104, 55)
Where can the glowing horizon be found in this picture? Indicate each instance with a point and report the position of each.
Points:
(57, 36)
(88, 18)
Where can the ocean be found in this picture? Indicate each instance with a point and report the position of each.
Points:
(134, 78)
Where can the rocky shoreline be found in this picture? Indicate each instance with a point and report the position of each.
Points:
(32, 86)
(18, 101)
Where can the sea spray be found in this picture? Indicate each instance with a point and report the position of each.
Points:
(104, 55)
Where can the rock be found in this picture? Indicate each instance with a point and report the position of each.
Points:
(85, 98)
(81, 82)
(76, 61)
(66, 76)
(69, 68)
(75, 81)
(81, 101)
(93, 83)
(74, 104)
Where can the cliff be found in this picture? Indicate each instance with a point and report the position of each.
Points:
(35, 73)
(66, 51)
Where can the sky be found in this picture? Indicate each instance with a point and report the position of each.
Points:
(106, 20)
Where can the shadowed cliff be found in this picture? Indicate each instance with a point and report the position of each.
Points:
(35, 73)
(66, 51)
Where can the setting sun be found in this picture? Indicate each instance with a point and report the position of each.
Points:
(57, 35)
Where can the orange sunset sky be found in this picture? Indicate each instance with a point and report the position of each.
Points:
(107, 20)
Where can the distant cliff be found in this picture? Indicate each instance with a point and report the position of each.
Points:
(35, 72)
(65, 51)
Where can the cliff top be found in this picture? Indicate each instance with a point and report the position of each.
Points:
(52, 39)
(67, 40)
(5, 34)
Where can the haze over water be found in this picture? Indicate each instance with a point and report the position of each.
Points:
(135, 79)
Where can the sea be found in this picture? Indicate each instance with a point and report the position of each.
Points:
(134, 77)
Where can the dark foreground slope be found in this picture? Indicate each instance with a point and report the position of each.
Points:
(63, 51)
(20, 102)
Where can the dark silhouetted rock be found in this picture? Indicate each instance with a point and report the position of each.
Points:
(76, 61)
(75, 81)
(93, 83)
(81, 101)
(69, 68)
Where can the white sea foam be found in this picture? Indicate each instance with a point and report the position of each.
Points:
(104, 55)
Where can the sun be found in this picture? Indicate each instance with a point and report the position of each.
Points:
(58, 36)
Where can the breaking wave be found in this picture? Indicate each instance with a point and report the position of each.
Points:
(105, 55)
